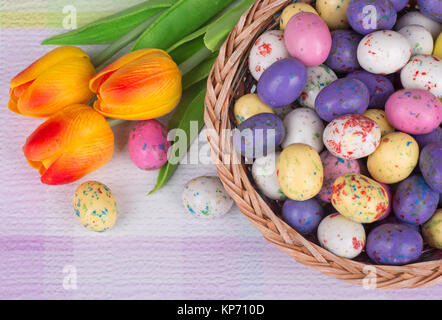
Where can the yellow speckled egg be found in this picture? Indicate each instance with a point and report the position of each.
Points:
(438, 47)
(359, 198)
(293, 9)
(248, 106)
(333, 12)
(95, 206)
(432, 230)
(379, 116)
(300, 172)
(395, 158)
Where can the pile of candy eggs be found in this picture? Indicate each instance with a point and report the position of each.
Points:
(357, 164)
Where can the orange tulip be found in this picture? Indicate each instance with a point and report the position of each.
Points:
(53, 82)
(142, 85)
(69, 145)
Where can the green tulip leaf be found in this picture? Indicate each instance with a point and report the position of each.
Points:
(200, 73)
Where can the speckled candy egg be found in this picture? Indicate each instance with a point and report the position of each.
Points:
(341, 236)
(343, 55)
(414, 111)
(430, 164)
(334, 13)
(300, 172)
(317, 79)
(303, 216)
(282, 83)
(308, 39)
(414, 202)
(352, 136)
(438, 47)
(359, 11)
(264, 174)
(379, 116)
(383, 52)
(293, 9)
(417, 18)
(95, 206)
(148, 145)
(304, 126)
(334, 167)
(205, 197)
(423, 72)
(395, 158)
(390, 202)
(398, 5)
(248, 106)
(420, 39)
(268, 49)
(432, 230)
(431, 8)
(380, 87)
(341, 97)
(394, 244)
(424, 139)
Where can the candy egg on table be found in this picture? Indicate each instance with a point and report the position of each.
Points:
(264, 174)
(398, 5)
(341, 236)
(303, 216)
(205, 197)
(341, 97)
(334, 167)
(414, 201)
(394, 244)
(304, 126)
(423, 72)
(248, 106)
(432, 230)
(282, 83)
(383, 52)
(308, 39)
(438, 47)
(395, 158)
(343, 55)
(148, 145)
(379, 116)
(266, 50)
(300, 172)
(95, 206)
(259, 135)
(420, 39)
(417, 18)
(433, 136)
(380, 87)
(430, 163)
(334, 13)
(317, 79)
(293, 9)
(352, 136)
(358, 10)
(431, 8)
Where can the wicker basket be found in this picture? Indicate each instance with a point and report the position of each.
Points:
(230, 79)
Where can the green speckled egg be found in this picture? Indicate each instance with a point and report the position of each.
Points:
(432, 230)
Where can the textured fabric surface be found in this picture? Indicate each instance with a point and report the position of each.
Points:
(156, 250)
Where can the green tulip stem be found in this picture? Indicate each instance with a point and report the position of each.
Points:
(194, 60)
(115, 122)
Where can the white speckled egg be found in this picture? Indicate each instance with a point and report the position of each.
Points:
(95, 206)
(423, 72)
(264, 174)
(248, 106)
(268, 48)
(420, 39)
(334, 13)
(303, 125)
(205, 197)
(383, 52)
(417, 18)
(317, 79)
(341, 236)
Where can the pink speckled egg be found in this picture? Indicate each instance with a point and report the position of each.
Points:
(148, 145)
(414, 111)
(308, 39)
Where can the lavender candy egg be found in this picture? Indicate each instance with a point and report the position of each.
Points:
(414, 201)
(380, 87)
(343, 55)
(424, 139)
(282, 83)
(394, 244)
(303, 216)
(358, 10)
(398, 5)
(341, 97)
(317, 79)
(431, 8)
(430, 164)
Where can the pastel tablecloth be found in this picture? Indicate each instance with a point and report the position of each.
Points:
(156, 250)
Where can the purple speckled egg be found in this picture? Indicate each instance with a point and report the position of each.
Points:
(303, 216)
(343, 55)
(414, 201)
(390, 202)
(342, 97)
(392, 219)
(259, 135)
(433, 136)
(398, 5)
(431, 8)
(359, 11)
(148, 145)
(394, 244)
(430, 164)
(380, 87)
(334, 167)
